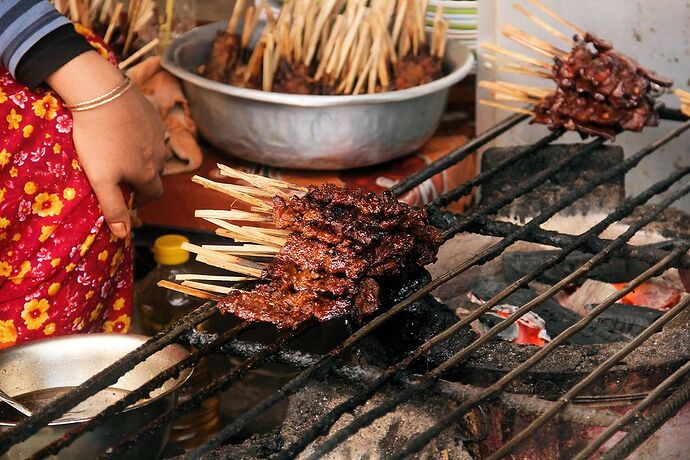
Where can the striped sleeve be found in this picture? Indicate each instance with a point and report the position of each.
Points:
(22, 24)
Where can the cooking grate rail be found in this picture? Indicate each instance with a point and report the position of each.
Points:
(314, 367)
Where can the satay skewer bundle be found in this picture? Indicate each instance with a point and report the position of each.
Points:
(333, 47)
(599, 91)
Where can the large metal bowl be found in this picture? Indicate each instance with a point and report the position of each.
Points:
(310, 132)
(66, 362)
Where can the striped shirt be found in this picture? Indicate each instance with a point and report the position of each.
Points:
(36, 40)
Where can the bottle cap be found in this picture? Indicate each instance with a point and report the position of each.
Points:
(167, 250)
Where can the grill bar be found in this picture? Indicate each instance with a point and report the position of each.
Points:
(644, 430)
(140, 393)
(102, 380)
(601, 369)
(219, 384)
(488, 227)
(367, 374)
(533, 183)
(325, 423)
(457, 155)
(635, 414)
(465, 188)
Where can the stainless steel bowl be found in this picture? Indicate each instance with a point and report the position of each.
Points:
(310, 132)
(66, 362)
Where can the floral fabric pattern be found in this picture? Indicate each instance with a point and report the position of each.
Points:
(61, 270)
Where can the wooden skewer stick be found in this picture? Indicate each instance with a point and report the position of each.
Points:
(242, 237)
(363, 76)
(267, 82)
(524, 71)
(444, 39)
(250, 21)
(106, 10)
(533, 43)
(208, 287)
(232, 214)
(259, 181)
(246, 249)
(235, 17)
(399, 18)
(114, 22)
(140, 53)
(505, 107)
(558, 18)
(132, 14)
(238, 195)
(247, 235)
(350, 37)
(202, 277)
(220, 263)
(512, 97)
(329, 48)
(552, 30)
(517, 56)
(360, 50)
(237, 264)
(373, 70)
(512, 88)
(325, 11)
(254, 64)
(188, 290)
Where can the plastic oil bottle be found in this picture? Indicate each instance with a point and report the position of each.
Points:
(156, 309)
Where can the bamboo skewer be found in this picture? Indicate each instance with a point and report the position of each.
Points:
(558, 18)
(552, 30)
(533, 43)
(202, 277)
(220, 187)
(207, 287)
(188, 290)
(242, 233)
(234, 215)
(137, 55)
(506, 107)
(234, 263)
(114, 22)
(517, 56)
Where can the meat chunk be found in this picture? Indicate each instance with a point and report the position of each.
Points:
(600, 92)
(344, 243)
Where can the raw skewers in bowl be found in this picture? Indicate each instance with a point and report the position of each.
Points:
(599, 90)
(330, 47)
(330, 249)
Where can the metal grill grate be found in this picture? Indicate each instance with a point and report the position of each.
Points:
(468, 397)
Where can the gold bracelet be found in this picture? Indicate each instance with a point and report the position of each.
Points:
(110, 96)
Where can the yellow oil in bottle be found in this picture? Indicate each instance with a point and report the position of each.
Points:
(156, 309)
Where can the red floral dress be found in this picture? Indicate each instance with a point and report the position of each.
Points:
(61, 270)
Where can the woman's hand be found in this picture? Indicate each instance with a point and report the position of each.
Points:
(121, 142)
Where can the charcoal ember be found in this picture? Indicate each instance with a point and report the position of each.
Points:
(395, 339)
(556, 317)
(616, 270)
(344, 243)
(600, 92)
(629, 320)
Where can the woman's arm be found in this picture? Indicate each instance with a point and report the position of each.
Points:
(121, 142)
(118, 143)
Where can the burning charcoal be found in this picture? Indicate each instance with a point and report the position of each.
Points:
(530, 329)
(556, 317)
(630, 320)
(605, 197)
(650, 294)
(590, 293)
(617, 270)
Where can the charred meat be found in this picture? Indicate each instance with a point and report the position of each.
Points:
(600, 92)
(344, 243)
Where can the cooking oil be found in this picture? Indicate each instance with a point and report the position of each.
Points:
(157, 308)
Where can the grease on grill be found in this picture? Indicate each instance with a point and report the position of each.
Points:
(344, 242)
